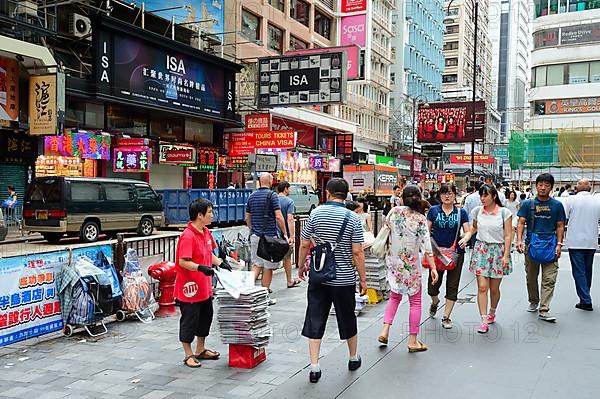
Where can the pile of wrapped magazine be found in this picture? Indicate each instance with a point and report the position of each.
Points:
(376, 273)
(244, 320)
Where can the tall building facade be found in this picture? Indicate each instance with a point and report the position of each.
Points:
(418, 63)
(457, 80)
(272, 27)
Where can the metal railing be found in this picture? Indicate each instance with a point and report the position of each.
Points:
(164, 244)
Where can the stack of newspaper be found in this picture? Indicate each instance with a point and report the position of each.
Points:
(375, 271)
(244, 320)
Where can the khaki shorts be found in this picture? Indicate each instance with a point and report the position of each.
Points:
(256, 260)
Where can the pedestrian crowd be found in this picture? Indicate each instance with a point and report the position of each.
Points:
(417, 235)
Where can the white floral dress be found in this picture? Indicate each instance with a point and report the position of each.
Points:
(409, 235)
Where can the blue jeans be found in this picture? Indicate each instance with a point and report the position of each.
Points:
(582, 261)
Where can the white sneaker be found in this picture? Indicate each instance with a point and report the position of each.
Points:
(547, 317)
(533, 307)
(446, 323)
(272, 301)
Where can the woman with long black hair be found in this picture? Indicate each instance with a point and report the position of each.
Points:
(491, 255)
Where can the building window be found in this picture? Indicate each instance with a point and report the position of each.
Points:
(451, 62)
(555, 75)
(451, 45)
(540, 76)
(275, 42)
(278, 4)
(452, 29)
(449, 78)
(297, 44)
(595, 72)
(250, 25)
(578, 73)
(323, 25)
(300, 10)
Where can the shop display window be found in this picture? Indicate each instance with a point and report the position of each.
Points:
(127, 120)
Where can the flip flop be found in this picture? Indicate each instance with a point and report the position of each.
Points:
(294, 284)
(421, 348)
(205, 356)
(185, 363)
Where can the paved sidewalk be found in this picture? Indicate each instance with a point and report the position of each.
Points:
(521, 357)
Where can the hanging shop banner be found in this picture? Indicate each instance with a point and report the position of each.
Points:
(479, 159)
(29, 305)
(277, 139)
(354, 5)
(79, 145)
(208, 158)
(9, 89)
(450, 122)
(237, 163)
(573, 105)
(432, 150)
(258, 122)
(150, 70)
(302, 79)
(352, 52)
(42, 104)
(17, 149)
(344, 146)
(354, 29)
(134, 142)
(132, 159)
(266, 162)
(335, 165)
(239, 143)
(177, 154)
(317, 162)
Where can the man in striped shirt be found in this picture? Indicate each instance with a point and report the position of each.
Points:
(324, 225)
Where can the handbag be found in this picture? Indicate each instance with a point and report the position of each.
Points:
(271, 248)
(445, 258)
(379, 247)
(322, 258)
(542, 248)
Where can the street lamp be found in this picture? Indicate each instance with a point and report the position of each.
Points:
(448, 19)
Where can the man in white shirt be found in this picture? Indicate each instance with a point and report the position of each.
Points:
(472, 200)
(583, 214)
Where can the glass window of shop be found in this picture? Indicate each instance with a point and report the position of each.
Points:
(322, 25)
(297, 44)
(167, 126)
(84, 115)
(551, 7)
(275, 42)
(576, 73)
(300, 10)
(250, 25)
(126, 120)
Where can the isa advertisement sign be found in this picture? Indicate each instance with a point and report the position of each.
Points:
(29, 304)
(354, 30)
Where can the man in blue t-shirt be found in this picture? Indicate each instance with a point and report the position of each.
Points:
(262, 223)
(288, 209)
(549, 219)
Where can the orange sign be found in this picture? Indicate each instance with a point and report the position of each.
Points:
(573, 105)
(279, 139)
(483, 158)
(9, 89)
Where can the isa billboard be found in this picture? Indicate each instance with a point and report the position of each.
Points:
(354, 29)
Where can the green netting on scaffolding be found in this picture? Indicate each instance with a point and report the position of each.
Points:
(533, 149)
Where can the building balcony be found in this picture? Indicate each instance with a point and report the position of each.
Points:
(381, 80)
(386, 23)
(382, 51)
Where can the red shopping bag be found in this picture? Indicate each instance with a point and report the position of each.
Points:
(245, 356)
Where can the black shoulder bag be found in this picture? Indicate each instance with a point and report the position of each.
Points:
(271, 248)
(322, 259)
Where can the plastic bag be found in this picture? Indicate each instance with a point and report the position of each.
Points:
(236, 281)
(132, 262)
(137, 293)
(85, 267)
(109, 270)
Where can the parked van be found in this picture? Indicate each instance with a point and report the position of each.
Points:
(304, 197)
(86, 207)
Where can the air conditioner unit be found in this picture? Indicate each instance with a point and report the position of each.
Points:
(80, 26)
(26, 7)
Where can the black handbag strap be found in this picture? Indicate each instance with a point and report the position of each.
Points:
(532, 213)
(266, 215)
(342, 230)
(458, 227)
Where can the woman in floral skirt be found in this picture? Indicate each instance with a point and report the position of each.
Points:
(408, 235)
(491, 255)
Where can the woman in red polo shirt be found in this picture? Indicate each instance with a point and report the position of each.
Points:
(193, 284)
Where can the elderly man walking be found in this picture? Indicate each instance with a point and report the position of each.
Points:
(583, 214)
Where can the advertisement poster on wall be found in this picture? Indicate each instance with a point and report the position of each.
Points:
(352, 51)
(354, 30)
(9, 89)
(42, 104)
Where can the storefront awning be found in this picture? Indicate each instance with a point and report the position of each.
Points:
(315, 118)
(34, 56)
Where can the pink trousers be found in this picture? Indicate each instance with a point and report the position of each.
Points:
(414, 317)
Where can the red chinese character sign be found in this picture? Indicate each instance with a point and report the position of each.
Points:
(208, 158)
(132, 159)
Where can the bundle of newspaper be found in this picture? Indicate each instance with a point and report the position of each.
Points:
(244, 320)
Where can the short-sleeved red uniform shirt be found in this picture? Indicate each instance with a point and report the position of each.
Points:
(194, 286)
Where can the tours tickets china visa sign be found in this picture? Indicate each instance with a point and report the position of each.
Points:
(245, 143)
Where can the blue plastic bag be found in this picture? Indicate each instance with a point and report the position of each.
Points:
(110, 272)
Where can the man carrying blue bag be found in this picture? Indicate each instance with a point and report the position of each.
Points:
(545, 218)
(338, 237)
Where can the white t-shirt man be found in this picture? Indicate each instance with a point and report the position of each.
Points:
(583, 213)
(472, 201)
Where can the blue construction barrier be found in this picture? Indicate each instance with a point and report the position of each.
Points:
(229, 205)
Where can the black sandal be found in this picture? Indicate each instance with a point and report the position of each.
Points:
(185, 362)
(205, 356)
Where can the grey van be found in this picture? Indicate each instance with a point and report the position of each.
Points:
(304, 196)
(86, 207)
